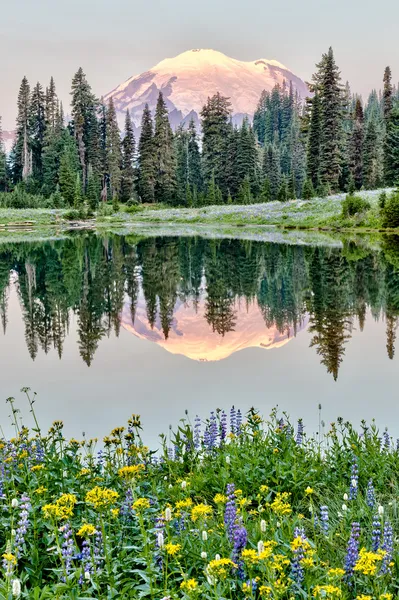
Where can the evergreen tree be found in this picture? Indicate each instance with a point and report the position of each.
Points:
(183, 186)
(215, 132)
(165, 160)
(37, 130)
(356, 147)
(146, 160)
(3, 163)
(93, 190)
(371, 165)
(68, 170)
(308, 190)
(22, 164)
(194, 159)
(314, 141)
(282, 195)
(51, 105)
(392, 147)
(114, 155)
(77, 193)
(84, 105)
(387, 98)
(327, 83)
(265, 193)
(128, 157)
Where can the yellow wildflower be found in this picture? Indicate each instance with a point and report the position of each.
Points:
(246, 588)
(220, 499)
(183, 504)
(264, 489)
(250, 556)
(84, 472)
(41, 490)
(141, 504)
(265, 590)
(37, 468)
(300, 542)
(220, 568)
(10, 558)
(101, 497)
(327, 591)
(61, 508)
(189, 585)
(86, 530)
(364, 597)
(275, 451)
(131, 471)
(172, 549)
(386, 596)
(114, 512)
(309, 491)
(201, 511)
(267, 551)
(280, 504)
(238, 493)
(307, 563)
(368, 562)
(336, 573)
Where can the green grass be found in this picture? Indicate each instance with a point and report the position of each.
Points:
(257, 510)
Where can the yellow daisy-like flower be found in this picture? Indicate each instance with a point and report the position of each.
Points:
(172, 549)
(10, 558)
(220, 499)
(309, 491)
(62, 508)
(250, 556)
(386, 596)
(131, 471)
(364, 597)
(141, 504)
(265, 590)
(181, 504)
(201, 511)
(369, 562)
(37, 468)
(41, 490)
(264, 489)
(327, 591)
(189, 585)
(336, 573)
(86, 530)
(220, 568)
(101, 497)
(84, 472)
(280, 505)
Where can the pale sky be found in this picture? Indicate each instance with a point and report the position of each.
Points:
(114, 39)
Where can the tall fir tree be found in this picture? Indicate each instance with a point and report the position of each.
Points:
(51, 105)
(356, 146)
(194, 159)
(314, 141)
(3, 163)
(327, 82)
(22, 164)
(146, 159)
(392, 147)
(165, 160)
(128, 158)
(215, 130)
(37, 130)
(114, 154)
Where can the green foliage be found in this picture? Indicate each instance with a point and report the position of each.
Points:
(308, 191)
(354, 205)
(390, 211)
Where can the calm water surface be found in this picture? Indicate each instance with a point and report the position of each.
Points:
(104, 327)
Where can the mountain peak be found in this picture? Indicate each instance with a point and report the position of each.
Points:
(188, 79)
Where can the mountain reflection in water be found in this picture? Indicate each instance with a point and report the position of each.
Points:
(205, 299)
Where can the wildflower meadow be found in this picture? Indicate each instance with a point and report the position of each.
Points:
(227, 507)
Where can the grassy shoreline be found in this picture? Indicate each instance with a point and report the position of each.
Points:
(229, 508)
(317, 214)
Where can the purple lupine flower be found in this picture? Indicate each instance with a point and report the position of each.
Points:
(230, 512)
(324, 522)
(85, 557)
(223, 426)
(299, 433)
(370, 494)
(297, 570)
(239, 422)
(239, 542)
(354, 480)
(213, 431)
(233, 420)
(67, 547)
(170, 453)
(352, 551)
(39, 452)
(387, 546)
(387, 440)
(197, 433)
(376, 534)
(98, 549)
(23, 524)
(126, 507)
(100, 460)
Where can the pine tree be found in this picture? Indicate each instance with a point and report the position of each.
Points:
(183, 186)
(22, 164)
(247, 156)
(165, 160)
(68, 171)
(244, 193)
(194, 159)
(356, 146)
(37, 130)
(314, 141)
(93, 191)
(231, 173)
(77, 193)
(51, 105)
(387, 98)
(392, 147)
(370, 156)
(265, 193)
(308, 190)
(327, 82)
(282, 195)
(128, 157)
(3, 163)
(114, 155)
(83, 105)
(215, 132)
(51, 157)
(146, 162)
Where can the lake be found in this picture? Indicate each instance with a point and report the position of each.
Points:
(105, 326)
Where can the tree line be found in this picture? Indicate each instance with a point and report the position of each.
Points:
(294, 148)
(94, 278)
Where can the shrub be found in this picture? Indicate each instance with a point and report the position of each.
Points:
(390, 211)
(354, 205)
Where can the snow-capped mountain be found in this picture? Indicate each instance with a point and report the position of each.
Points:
(188, 79)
